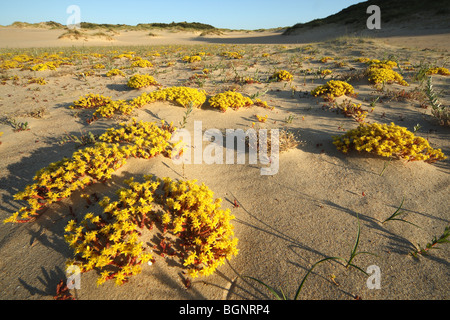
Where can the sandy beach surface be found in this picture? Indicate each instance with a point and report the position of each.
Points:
(286, 222)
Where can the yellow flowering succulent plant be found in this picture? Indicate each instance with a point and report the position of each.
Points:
(438, 70)
(141, 81)
(145, 139)
(41, 81)
(110, 242)
(192, 59)
(282, 75)
(183, 96)
(235, 100)
(380, 72)
(230, 99)
(91, 164)
(263, 104)
(90, 101)
(326, 59)
(40, 62)
(388, 141)
(232, 54)
(106, 107)
(60, 179)
(115, 72)
(126, 55)
(9, 64)
(98, 66)
(352, 110)
(262, 119)
(51, 65)
(382, 63)
(110, 109)
(333, 88)
(203, 227)
(141, 63)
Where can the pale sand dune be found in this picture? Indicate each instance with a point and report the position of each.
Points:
(33, 37)
(285, 222)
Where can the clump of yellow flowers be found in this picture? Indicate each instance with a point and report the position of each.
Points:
(184, 96)
(141, 81)
(262, 118)
(232, 55)
(282, 75)
(108, 110)
(35, 63)
(230, 99)
(352, 110)
(9, 64)
(60, 179)
(98, 66)
(263, 104)
(92, 164)
(198, 220)
(142, 140)
(380, 72)
(388, 141)
(52, 65)
(110, 242)
(326, 59)
(362, 59)
(234, 100)
(106, 107)
(141, 63)
(91, 101)
(442, 71)
(382, 63)
(41, 81)
(333, 88)
(192, 59)
(115, 72)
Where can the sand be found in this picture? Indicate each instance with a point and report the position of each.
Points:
(285, 223)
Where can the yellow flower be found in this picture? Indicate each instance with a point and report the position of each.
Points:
(115, 72)
(262, 119)
(438, 70)
(333, 88)
(192, 59)
(141, 81)
(381, 72)
(282, 75)
(142, 63)
(230, 99)
(120, 278)
(388, 140)
(193, 273)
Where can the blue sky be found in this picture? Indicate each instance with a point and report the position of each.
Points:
(233, 14)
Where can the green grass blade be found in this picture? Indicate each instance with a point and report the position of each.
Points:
(268, 287)
(396, 213)
(355, 247)
(310, 270)
(403, 220)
